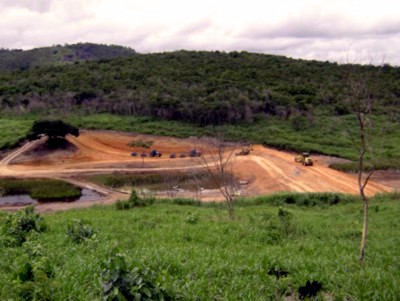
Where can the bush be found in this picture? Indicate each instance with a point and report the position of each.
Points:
(33, 274)
(285, 218)
(192, 219)
(134, 201)
(18, 225)
(121, 282)
(79, 231)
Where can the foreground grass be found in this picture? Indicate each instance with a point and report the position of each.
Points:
(201, 255)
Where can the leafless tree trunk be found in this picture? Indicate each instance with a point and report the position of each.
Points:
(197, 181)
(217, 163)
(361, 101)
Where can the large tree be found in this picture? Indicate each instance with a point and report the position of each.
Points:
(54, 129)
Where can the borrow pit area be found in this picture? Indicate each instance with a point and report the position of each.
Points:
(263, 171)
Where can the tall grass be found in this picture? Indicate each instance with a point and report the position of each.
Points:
(199, 254)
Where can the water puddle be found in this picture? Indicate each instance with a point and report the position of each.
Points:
(25, 199)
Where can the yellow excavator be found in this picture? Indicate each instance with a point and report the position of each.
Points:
(245, 150)
(304, 158)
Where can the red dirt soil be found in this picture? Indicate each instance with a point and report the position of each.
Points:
(265, 170)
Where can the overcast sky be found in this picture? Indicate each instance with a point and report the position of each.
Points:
(359, 31)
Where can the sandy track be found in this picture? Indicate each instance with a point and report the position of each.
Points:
(266, 170)
(26, 147)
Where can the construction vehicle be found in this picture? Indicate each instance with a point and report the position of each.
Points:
(154, 153)
(194, 153)
(244, 151)
(304, 158)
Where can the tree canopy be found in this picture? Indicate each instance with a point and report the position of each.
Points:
(52, 128)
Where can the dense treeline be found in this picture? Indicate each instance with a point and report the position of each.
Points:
(195, 87)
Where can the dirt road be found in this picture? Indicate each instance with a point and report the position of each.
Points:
(265, 170)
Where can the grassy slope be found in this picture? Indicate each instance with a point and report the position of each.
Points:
(218, 259)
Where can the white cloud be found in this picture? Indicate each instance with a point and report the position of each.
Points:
(312, 29)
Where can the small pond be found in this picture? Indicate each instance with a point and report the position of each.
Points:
(25, 199)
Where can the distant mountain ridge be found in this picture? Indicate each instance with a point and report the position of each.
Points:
(17, 59)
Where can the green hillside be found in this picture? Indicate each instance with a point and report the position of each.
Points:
(17, 59)
(196, 87)
(291, 104)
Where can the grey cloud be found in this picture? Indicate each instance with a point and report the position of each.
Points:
(36, 5)
(320, 27)
(29, 24)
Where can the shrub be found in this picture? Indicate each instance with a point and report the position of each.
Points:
(192, 219)
(134, 201)
(79, 231)
(33, 274)
(121, 282)
(285, 218)
(20, 224)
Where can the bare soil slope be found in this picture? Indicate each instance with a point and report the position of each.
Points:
(266, 170)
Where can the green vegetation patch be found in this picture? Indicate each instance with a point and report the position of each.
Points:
(13, 130)
(163, 180)
(300, 199)
(40, 189)
(267, 252)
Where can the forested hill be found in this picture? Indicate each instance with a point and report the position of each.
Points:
(196, 87)
(59, 55)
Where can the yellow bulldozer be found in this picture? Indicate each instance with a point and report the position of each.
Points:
(244, 151)
(304, 158)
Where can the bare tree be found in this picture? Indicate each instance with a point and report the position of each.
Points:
(360, 97)
(142, 144)
(217, 162)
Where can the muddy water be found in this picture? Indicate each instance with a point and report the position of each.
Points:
(25, 199)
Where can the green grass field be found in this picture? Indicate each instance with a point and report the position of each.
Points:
(197, 253)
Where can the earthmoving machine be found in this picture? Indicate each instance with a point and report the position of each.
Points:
(304, 158)
(194, 153)
(244, 151)
(154, 153)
